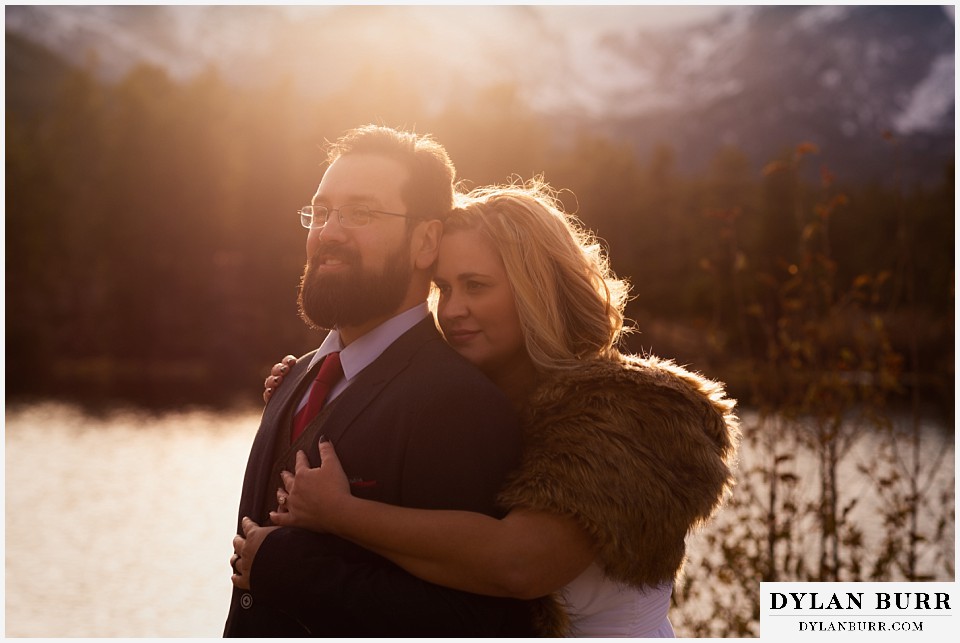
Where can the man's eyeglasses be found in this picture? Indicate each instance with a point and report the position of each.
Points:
(350, 216)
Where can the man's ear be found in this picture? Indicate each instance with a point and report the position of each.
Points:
(426, 244)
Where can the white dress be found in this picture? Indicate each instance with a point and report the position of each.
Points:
(600, 607)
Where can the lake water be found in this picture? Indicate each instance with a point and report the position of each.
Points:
(121, 526)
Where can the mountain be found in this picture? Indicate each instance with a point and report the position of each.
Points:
(850, 79)
(37, 72)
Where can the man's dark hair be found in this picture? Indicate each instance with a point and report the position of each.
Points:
(429, 191)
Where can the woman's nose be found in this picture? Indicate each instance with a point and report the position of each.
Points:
(453, 306)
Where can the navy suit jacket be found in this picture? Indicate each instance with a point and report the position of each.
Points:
(419, 427)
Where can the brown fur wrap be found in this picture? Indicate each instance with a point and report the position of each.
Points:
(637, 450)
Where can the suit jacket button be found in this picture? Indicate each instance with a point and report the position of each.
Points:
(246, 601)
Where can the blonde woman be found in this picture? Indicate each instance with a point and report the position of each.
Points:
(623, 455)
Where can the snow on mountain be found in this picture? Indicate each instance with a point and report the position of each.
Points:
(182, 39)
(932, 100)
(761, 77)
(814, 18)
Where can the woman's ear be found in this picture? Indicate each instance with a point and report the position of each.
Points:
(426, 244)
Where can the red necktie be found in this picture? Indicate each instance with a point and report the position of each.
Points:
(330, 373)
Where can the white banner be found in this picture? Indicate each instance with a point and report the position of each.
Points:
(858, 611)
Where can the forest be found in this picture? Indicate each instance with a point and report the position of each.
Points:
(153, 254)
(153, 250)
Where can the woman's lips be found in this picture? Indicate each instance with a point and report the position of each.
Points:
(461, 336)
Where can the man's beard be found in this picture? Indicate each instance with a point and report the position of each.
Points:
(353, 296)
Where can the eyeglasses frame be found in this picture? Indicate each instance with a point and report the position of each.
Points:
(331, 211)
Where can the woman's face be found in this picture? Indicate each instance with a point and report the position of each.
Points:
(477, 312)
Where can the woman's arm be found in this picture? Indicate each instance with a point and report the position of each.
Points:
(525, 555)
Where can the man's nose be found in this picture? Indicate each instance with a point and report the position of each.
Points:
(332, 231)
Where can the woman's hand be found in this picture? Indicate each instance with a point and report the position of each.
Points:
(279, 369)
(313, 498)
(245, 549)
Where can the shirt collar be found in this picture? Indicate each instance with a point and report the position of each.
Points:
(364, 350)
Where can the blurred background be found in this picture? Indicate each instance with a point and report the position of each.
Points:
(776, 182)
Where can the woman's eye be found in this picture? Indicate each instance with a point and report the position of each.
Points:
(475, 285)
(443, 289)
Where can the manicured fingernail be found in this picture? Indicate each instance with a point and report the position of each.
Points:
(283, 369)
(323, 439)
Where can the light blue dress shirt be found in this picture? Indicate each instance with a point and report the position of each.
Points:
(362, 352)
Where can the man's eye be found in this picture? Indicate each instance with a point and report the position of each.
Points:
(358, 215)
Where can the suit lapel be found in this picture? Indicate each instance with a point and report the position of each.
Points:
(286, 397)
(340, 416)
(275, 420)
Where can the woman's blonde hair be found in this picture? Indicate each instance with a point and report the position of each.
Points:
(569, 302)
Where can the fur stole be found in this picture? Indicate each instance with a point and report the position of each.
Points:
(639, 451)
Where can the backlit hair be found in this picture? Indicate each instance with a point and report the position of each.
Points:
(429, 191)
(569, 302)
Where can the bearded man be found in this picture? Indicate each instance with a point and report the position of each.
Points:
(413, 423)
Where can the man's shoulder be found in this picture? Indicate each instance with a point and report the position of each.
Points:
(303, 361)
(425, 348)
(441, 372)
(440, 362)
